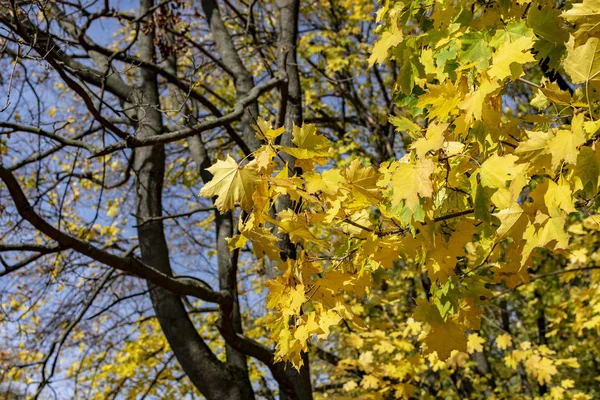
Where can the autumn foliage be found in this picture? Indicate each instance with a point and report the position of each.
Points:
(436, 236)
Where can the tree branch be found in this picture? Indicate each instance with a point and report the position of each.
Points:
(131, 265)
(173, 216)
(238, 111)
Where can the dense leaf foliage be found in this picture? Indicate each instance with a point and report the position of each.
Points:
(488, 189)
(329, 199)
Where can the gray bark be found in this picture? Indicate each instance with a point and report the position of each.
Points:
(291, 104)
(212, 378)
(226, 262)
(230, 57)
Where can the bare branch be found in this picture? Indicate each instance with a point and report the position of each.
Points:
(238, 111)
(180, 286)
(173, 216)
(51, 135)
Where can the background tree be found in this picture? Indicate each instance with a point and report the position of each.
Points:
(442, 165)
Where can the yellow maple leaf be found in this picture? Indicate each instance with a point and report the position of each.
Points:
(433, 140)
(294, 225)
(567, 383)
(564, 146)
(586, 17)
(231, 184)
(387, 40)
(289, 348)
(262, 201)
(497, 170)
(552, 229)
(443, 100)
(559, 196)
(453, 148)
(263, 157)
(362, 182)
(541, 367)
(555, 94)
(328, 182)
(442, 258)
(427, 312)
(404, 390)
(592, 222)
(411, 181)
(509, 58)
(385, 256)
(306, 137)
(264, 130)
(354, 340)
(474, 102)
(405, 125)
(384, 346)
(587, 170)
(512, 219)
(350, 386)
(582, 63)
(237, 242)
(263, 242)
(469, 314)
(570, 362)
(535, 141)
(307, 327)
(326, 321)
(296, 298)
(504, 341)
(444, 336)
(335, 280)
(309, 143)
(369, 382)
(475, 343)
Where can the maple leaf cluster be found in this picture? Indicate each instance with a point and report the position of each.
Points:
(481, 190)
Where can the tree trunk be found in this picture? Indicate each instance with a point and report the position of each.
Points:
(292, 111)
(230, 57)
(212, 378)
